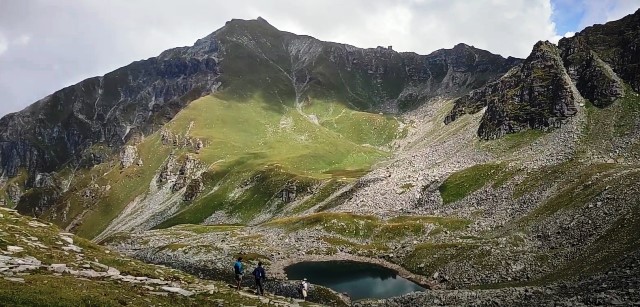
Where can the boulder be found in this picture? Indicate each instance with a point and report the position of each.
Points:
(177, 290)
(58, 267)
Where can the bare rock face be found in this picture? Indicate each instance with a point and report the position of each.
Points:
(288, 193)
(188, 169)
(194, 188)
(539, 94)
(44, 180)
(129, 156)
(594, 78)
(536, 95)
(15, 193)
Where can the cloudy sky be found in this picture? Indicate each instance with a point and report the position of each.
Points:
(48, 44)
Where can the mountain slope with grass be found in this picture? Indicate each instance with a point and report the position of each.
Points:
(487, 180)
(246, 124)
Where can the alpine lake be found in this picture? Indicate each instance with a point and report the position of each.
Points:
(359, 280)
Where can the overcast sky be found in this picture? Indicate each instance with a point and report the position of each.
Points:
(48, 44)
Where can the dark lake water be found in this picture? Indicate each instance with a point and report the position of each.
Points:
(358, 279)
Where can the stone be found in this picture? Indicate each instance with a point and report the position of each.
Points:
(58, 267)
(113, 272)
(91, 274)
(100, 265)
(25, 267)
(128, 156)
(177, 290)
(36, 224)
(14, 249)
(72, 248)
(67, 239)
(156, 281)
(29, 260)
(15, 279)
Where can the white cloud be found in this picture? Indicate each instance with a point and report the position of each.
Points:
(4, 45)
(22, 40)
(601, 11)
(557, 38)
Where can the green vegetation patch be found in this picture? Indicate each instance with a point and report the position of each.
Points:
(543, 176)
(234, 130)
(427, 258)
(325, 191)
(202, 229)
(359, 127)
(450, 223)
(512, 142)
(589, 182)
(605, 126)
(462, 183)
(47, 290)
(345, 224)
(613, 246)
(368, 227)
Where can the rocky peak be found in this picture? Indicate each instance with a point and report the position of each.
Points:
(536, 95)
(539, 94)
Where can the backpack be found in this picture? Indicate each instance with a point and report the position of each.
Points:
(257, 273)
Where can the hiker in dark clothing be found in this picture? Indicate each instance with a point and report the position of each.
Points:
(260, 276)
(238, 269)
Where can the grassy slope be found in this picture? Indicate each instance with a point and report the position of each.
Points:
(363, 227)
(248, 143)
(233, 130)
(42, 288)
(464, 182)
(124, 186)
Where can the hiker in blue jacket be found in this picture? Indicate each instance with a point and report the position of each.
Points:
(260, 276)
(238, 269)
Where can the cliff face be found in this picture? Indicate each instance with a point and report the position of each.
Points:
(598, 62)
(133, 100)
(537, 94)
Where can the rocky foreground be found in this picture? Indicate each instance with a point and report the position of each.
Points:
(42, 265)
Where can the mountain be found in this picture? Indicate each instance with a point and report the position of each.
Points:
(85, 125)
(491, 180)
(595, 65)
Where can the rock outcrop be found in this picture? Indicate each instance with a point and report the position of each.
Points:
(129, 156)
(538, 95)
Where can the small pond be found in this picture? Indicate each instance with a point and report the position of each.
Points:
(357, 279)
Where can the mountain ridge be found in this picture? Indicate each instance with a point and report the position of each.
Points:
(81, 125)
(468, 170)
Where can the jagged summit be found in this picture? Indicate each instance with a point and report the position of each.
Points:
(594, 64)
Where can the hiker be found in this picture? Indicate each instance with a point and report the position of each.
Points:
(260, 275)
(238, 269)
(303, 289)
